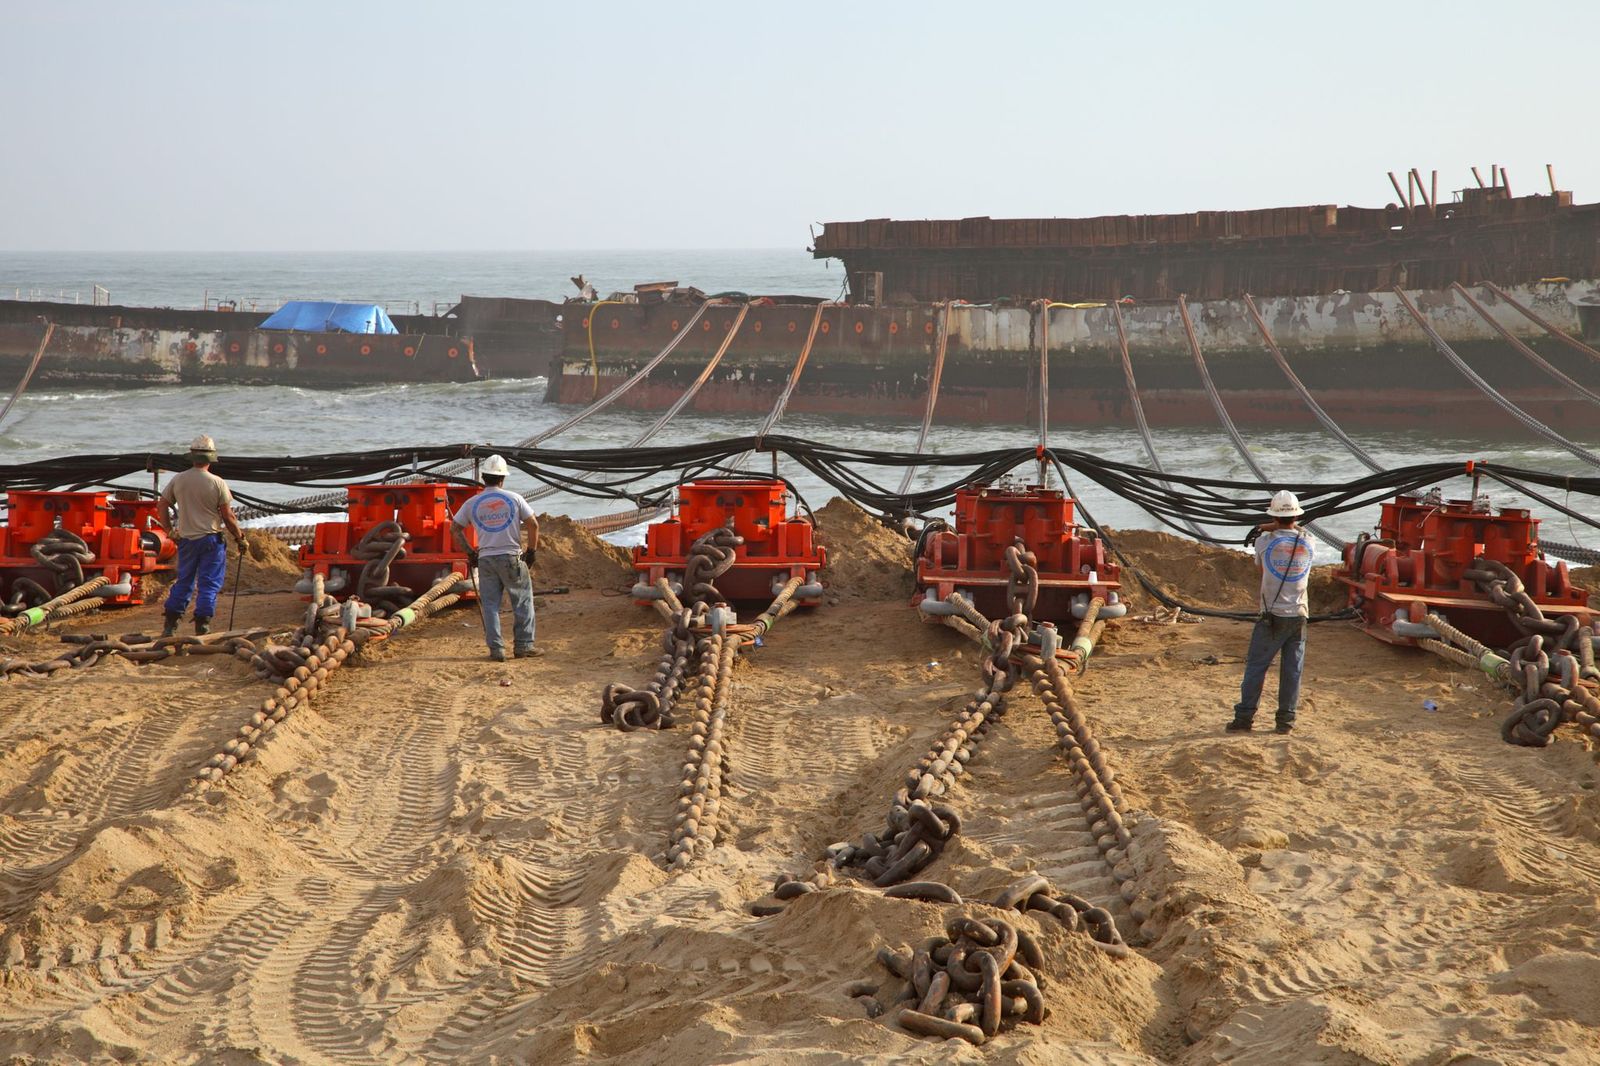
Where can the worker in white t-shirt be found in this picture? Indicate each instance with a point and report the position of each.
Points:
(1285, 552)
(502, 563)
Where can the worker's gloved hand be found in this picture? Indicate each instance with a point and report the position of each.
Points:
(472, 559)
(528, 555)
(238, 542)
(1251, 537)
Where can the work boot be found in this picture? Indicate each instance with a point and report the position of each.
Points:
(202, 625)
(497, 655)
(1284, 727)
(528, 651)
(1237, 726)
(170, 627)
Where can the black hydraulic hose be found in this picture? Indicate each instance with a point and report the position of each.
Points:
(1155, 591)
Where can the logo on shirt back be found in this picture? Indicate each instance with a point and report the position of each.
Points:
(1287, 557)
(492, 513)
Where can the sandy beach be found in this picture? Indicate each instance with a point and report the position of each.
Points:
(444, 859)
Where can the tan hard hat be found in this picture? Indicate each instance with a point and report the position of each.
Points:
(202, 443)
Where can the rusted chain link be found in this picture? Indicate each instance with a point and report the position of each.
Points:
(651, 707)
(1550, 670)
(694, 831)
(628, 708)
(338, 631)
(63, 552)
(87, 650)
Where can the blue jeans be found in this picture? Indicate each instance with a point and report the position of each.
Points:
(1272, 635)
(505, 575)
(202, 561)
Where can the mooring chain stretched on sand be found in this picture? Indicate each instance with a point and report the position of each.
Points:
(651, 707)
(694, 831)
(711, 556)
(1550, 671)
(333, 634)
(985, 972)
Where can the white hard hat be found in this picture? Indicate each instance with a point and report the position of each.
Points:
(494, 466)
(1285, 504)
(202, 443)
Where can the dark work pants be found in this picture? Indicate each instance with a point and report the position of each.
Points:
(1273, 636)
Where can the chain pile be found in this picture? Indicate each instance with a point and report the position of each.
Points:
(1550, 670)
(986, 972)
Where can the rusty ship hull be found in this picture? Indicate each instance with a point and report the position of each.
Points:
(135, 346)
(1360, 354)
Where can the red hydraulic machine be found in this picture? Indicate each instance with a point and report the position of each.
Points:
(395, 544)
(776, 547)
(54, 541)
(1074, 566)
(1417, 563)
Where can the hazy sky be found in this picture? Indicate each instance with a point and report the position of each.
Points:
(199, 124)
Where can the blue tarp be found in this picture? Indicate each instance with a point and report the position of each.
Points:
(312, 316)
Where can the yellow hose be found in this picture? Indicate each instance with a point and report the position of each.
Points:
(594, 366)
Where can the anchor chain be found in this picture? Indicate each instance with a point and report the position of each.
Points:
(986, 972)
(1550, 670)
(628, 708)
(333, 633)
(62, 552)
(694, 832)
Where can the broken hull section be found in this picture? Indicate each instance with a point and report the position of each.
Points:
(1361, 356)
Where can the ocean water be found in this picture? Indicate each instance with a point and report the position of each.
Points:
(291, 421)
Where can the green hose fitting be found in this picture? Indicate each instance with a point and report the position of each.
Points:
(404, 617)
(31, 617)
(1494, 665)
(1083, 647)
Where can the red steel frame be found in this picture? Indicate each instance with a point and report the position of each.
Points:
(775, 549)
(127, 542)
(423, 510)
(988, 519)
(1416, 563)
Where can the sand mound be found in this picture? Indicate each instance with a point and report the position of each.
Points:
(866, 559)
(271, 565)
(447, 860)
(1588, 577)
(571, 555)
(1206, 575)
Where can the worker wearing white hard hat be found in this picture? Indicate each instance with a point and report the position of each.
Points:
(499, 518)
(196, 506)
(1284, 551)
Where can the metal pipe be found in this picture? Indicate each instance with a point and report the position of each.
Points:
(1550, 172)
(1421, 189)
(1477, 177)
(1396, 183)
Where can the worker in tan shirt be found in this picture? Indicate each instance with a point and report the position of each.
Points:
(204, 509)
